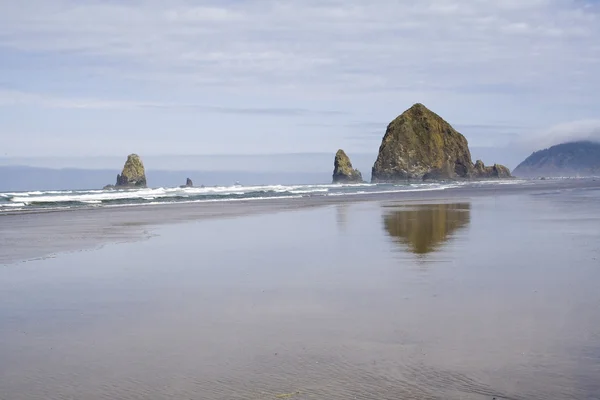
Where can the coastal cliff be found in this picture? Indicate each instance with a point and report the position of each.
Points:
(421, 145)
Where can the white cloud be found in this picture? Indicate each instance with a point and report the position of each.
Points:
(15, 98)
(203, 14)
(310, 42)
(520, 62)
(562, 133)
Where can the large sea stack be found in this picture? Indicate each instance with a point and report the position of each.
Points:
(420, 145)
(343, 172)
(133, 174)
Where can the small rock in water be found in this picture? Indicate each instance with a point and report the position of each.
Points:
(188, 183)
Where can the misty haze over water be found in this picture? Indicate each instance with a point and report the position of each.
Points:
(71, 173)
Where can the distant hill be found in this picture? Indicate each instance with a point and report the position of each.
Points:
(567, 159)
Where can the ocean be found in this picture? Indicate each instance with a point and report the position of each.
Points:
(69, 199)
(444, 291)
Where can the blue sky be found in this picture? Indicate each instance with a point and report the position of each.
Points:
(106, 78)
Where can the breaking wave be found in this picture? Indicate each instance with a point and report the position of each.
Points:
(60, 199)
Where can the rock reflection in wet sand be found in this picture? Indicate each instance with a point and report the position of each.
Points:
(424, 228)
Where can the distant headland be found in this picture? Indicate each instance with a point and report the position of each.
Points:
(563, 160)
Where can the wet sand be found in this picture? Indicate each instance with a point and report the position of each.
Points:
(452, 295)
(41, 234)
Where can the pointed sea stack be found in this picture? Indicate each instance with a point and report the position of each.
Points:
(133, 174)
(188, 183)
(343, 172)
(421, 145)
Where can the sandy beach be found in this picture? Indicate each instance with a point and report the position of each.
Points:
(454, 294)
(299, 200)
(28, 235)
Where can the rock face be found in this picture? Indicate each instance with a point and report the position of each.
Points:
(133, 174)
(343, 172)
(496, 171)
(420, 145)
(567, 159)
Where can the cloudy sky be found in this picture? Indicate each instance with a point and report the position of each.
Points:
(106, 78)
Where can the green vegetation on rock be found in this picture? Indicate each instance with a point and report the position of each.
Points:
(133, 174)
(343, 172)
(420, 145)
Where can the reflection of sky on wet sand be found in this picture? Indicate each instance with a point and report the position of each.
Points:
(312, 302)
(424, 228)
(341, 216)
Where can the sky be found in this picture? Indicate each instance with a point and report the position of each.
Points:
(91, 78)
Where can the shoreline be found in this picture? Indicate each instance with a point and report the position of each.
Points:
(326, 301)
(30, 235)
(87, 199)
(527, 186)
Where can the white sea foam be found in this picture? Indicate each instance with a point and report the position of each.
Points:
(12, 205)
(424, 189)
(308, 191)
(154, 203)
(6, 195)
(135, 197)
(500, 182)
(90, 196)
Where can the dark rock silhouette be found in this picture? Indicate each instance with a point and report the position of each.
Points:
(188, 183)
